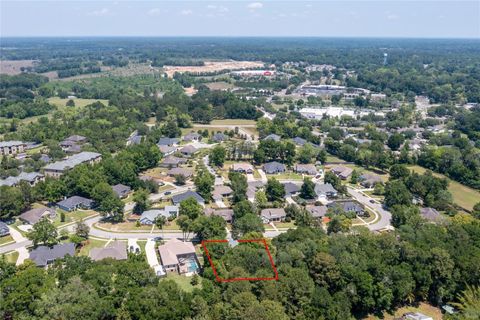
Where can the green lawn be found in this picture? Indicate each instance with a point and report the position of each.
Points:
(5, 240)
(232, 122)
(79, 103)
(285, 225)
(286, 176)
(11, 256)
(463, 196)
(183, 282)
(72, 216)
(331, 158)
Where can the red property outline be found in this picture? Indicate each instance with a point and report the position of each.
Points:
(218, 279)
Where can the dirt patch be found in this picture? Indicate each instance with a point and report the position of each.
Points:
(214, 66)
(13, 67)
(222, 85)
(190, 91)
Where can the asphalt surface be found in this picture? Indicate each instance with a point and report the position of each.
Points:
(385, 215)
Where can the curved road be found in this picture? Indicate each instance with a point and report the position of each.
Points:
(385, 215)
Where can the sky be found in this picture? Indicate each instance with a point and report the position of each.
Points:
(354, 18)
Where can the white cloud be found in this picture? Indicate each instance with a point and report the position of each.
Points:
(255, 5)
(154, 12)
(100, 13)
(186, 12)
(392, 16)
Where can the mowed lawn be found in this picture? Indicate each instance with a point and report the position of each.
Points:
(79, 103)
(463, 196)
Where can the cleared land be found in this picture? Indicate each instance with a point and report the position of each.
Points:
(424, 308)
(79, 103)
(214, 66)
(13, 67)
(463, 196)
(221, 85)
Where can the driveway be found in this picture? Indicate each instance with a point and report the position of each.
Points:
(385, 216)
(262, 175)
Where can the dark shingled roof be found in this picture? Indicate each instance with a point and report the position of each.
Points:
(184, 196)
(44, 255)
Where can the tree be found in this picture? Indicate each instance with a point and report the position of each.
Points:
(396, 193)
(275, 190)
(402, 214)
(70, 103)
(190, 208)
(307, 153)
(399, 171)
(212, 227)
(142, 203)
(307, 191)
(395, 141)
(217, 155)
(11, 202)
(204, 182)
(109, 204)
(82, 230)
(248, 223)
(260, 199)
(160, 222)
(239, 185)
(476, 210)
(339, 223)
(180, 180)
(469, 303)
(354, 177)
(43, 232)
(185, 224)
(242, 208)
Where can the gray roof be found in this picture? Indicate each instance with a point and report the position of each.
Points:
(164, 141)
(116, 250)
(187, 173)
(44, 255)
(76, 138)
(273, 136)
(183, 196)
(4, 228)
(324, 189)
(29, 177)
(173, 160)
(431, 214)
(12, 143)
(219, 137)
(273, 213)
(192, 136)
(291, 187)
(308, 168)
(273, 167)
(188, 149)
(317, 211)
(75, 201)
(73, 161)
(34, 215)
(347, 206)
(166, 149)
(299, 141)
(121, 189)
(226, 214)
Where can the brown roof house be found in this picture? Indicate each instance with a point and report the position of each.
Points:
(306, 169)
(242, 167)
(342, 172)
(317, 212)
(226, 214)
(369, 180)
(34, 215)
(172, 162)
(273, 215)
(187, 173)
(221, 191)
(116, 250)
(188, 151)
(179, 256)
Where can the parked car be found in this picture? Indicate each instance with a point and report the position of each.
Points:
(168, 192)
(372, 201)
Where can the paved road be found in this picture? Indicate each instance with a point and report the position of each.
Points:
(385, 216)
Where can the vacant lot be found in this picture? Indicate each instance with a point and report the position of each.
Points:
(79, 103)
(424, 308)
(12, 67)
(221, 85)
(214, 66)
(463, 196)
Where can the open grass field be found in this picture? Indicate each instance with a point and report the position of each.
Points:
(424, 308)
(221, 85)
(79, 103)
(286, 176)
(232, 122)
(463, 196)
(72, 216)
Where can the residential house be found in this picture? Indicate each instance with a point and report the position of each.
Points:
(12, 147)
(324, 191)
(242, 167)
(431, 215)
(273, 215)
(164, 141)
(4, 231)
(273, 137)
(134, 138)
(116, 250)
(309, 169)
(317, 212)
(58, 168)
(31, 177)
(43, 255)
(179, 256)
(299, 141)
(172, 162)
(167, 150)
(226, 214)
(77, 138)
(188, 151)
(34, 215)
(148, 217)
(369, 180)
(73, 143)
(274, 167)
(291, 189)
(45, 158)
(349, 206)
(221, 191)
(219, 137)
(176, 199)
(75, 203)
(192, 136)
(187, 173)
(121, 190)
(342, 172)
